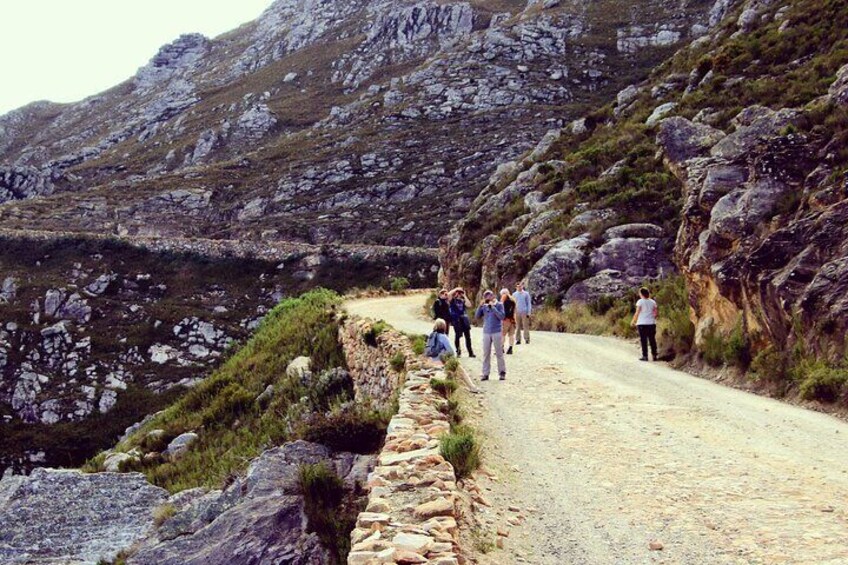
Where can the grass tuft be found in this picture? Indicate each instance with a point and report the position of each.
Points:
(462, 449)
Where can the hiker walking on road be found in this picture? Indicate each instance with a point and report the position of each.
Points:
(442, 310)
(492, 313)
(438, 343)
(645, 320)
(523, 310)
(509, 319)
(459, 318)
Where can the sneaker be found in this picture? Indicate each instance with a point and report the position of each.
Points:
(509, 351)
(503, 376)
(484, 378)
(643, 358)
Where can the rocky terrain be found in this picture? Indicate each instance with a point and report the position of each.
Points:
(97, 333)
(326, 121)
(727, 164)
(257, 518)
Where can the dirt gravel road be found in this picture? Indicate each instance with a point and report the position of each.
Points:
(603, 454)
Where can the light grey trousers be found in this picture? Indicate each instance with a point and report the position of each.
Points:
(522, 323)
(493, 341)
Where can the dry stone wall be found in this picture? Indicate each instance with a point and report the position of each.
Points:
(369, 350)
(411, 515)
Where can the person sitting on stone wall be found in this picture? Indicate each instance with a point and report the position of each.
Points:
(438, 343)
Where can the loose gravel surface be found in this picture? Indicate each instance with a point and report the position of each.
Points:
(599, 455)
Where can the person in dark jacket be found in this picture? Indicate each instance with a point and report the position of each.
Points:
(459, 306)
(509, 319)
(442, 310)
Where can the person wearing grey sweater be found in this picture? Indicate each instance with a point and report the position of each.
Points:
(493, 314)
(523, 310)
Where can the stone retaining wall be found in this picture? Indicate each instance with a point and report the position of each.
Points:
(370, 364)
(411, 515)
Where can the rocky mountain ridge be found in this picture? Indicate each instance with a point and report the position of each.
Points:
(322, 114)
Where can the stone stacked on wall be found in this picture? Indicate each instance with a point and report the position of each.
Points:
(369, 348)
(411, 515)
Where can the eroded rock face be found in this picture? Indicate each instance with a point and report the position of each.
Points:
(763, 238)
(56, 516)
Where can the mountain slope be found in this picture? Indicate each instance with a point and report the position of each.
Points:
(728, 164)
(324, 121)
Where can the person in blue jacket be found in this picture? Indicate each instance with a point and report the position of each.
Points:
(493, 315)
(461, 322)
(438, 343)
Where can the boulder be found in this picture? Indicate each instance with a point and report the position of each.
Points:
(608, 282)
(299, 367)
(660, 112)
(61, 516)
(180, 444)
(839, 89)
(682, 140)
(558, 268)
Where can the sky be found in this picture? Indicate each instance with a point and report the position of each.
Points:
(66, 50)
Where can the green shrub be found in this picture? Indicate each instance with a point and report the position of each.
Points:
(769, 365)
(453, 412)
(461, 448)
(324, 497)
(419, 344)
(824, 383)
(228, 406)
(377, 328)
(445, 387)
(451, 366)
(398, 362)
(355, 429)
(712, 348)
(399, 284)
(737, 351)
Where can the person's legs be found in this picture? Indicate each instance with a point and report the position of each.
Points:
(652, 339)
(643, 340)
(487, 355)
(457, 333)
(499, 355)
(526, 328)
(509, 332)
(520, 320)
(468, 343)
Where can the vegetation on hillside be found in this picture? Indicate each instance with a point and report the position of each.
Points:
(235, 422)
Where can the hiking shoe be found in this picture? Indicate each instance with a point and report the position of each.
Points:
(471, 355)
(484, 378)
(458, 353)
(509, 351)
(643, 358)
(518, 342)
(503, 376)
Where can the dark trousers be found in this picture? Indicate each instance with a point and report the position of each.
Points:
(459, 331)
(648, 334)
(447, 325)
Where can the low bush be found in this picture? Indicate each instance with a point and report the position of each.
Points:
(769, 366)
(419, 344)
(824, 383)
(398, 362)
(327, 514)
(445, 387)
(377, 328)
(356, 429)
(399, 284)
(451, 366)
(462, 449)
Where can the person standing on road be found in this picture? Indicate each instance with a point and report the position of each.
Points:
(461, 323)
(523, 310)
(441, 310)
(492, 313)
(645, 320)
(509, 319)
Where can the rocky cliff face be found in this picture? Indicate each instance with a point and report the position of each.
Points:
(728, 164)
(324, 121)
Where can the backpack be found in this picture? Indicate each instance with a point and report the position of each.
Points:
(433, 348)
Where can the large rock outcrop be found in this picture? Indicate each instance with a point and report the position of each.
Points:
(763, 237)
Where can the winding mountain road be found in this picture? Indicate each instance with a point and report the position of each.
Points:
(599, 455)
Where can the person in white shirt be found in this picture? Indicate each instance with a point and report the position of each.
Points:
(645, 320)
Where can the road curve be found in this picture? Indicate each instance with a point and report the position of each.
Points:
(605, 454)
